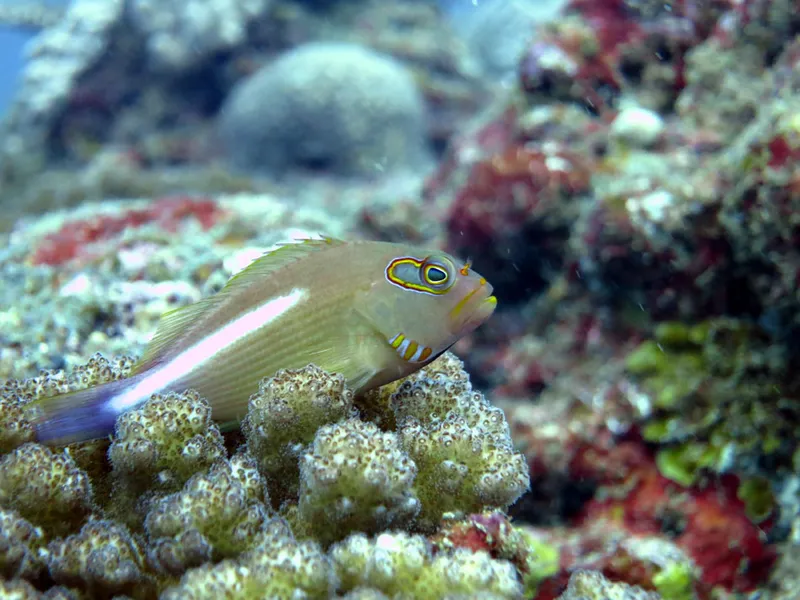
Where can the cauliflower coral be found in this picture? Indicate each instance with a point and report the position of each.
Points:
(321, 493)
(338, 108)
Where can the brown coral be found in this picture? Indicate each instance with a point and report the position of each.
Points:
(217, 515)
(46, 488)
(460, 443)
(166, 441)
(355, 478)
(174, 486)
(462, 468)
(402, 565)
(19, 546)
(16, 396)
(103, 559)
(18, 589)
(15, 428)
(283, 417)
(279, 568)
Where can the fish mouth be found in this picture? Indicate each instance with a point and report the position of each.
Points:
(474, 309)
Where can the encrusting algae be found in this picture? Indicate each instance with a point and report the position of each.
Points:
(319, 475)
(370, 311)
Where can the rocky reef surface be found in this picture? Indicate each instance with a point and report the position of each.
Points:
(629, 185)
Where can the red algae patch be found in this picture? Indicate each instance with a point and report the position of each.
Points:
(74, 238)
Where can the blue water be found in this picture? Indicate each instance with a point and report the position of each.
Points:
(13, 41)
(12, 54)
(12, 47)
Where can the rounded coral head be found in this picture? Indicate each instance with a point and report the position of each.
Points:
(427, 300)
(336, 108)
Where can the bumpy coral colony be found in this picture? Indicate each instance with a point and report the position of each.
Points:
(309, 500)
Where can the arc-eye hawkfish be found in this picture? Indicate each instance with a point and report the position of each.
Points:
(372, 311)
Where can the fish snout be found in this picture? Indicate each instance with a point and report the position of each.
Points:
(474, 309)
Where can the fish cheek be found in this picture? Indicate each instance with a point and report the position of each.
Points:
(407, 323)
(377, 310)
(378, 361)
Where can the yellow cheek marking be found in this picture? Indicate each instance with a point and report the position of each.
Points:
(460, 306)
(409, 350)
(415, 287)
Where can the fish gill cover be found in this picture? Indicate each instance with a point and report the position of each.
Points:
(623, 172)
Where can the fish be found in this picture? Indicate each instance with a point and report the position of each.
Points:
(371, 311)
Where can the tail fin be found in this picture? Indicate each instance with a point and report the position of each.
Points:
(77, 416)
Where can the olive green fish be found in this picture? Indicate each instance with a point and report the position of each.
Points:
(372, 311)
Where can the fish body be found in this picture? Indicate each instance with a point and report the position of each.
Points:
(372, 311)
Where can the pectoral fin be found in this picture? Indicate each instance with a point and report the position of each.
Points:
(379, 359)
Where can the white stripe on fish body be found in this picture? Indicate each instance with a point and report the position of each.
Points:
(418, 354)
(207, 349)
(403, 347)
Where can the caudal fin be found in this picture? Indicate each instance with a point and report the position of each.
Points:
(77, 416)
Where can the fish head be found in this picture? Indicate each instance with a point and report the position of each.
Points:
(427, 301)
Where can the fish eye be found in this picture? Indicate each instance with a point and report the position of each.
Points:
(435, 274)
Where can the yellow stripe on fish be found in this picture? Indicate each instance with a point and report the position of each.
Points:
(397, 340)
(410, 350)
(329, 302)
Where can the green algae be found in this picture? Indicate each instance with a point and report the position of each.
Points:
(543, 561)
(759, 501)
(675, 582)
(683, 463)
(719, 398)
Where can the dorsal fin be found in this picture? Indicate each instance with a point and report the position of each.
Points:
(175, 322)
(270, 262)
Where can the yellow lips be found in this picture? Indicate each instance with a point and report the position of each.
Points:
(483, 311)
(471, 311)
